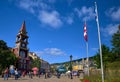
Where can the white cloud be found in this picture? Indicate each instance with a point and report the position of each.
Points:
(78, 12)
(50, 18)
(45, 12)
(51, 51)
(54, 51)
(114, 13)
(39, 53)
(42, 11)
(95, 49)
(110, 29)
(25, 4)
(32, 5)
(69, 20)
(85, 13)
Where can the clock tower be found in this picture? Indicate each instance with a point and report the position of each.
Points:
(21, 49)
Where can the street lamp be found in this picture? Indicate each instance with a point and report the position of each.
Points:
(71, 65)
(70, 57)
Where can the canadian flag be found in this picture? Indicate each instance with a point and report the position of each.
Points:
(85, 32)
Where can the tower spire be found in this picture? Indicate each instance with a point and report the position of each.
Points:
(23, 28)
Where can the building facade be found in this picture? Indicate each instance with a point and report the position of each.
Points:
(33, 55)
(45, 66)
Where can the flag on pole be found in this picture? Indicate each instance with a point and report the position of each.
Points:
(85, 33)
(96, 13)
(86, 39)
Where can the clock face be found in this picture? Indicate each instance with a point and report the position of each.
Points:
(23, 45)
(22, 54)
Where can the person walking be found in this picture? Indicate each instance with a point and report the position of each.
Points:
(12, 72)
(71, 75)
(23, 73)
(6, 73)
(16, 74)
(58, 75)
(39, 74)
(45, 75)
(78, 74)
(30, 74)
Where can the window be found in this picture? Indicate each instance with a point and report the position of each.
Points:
(22, 54)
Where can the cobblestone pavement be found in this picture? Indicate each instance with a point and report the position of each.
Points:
(41, 79)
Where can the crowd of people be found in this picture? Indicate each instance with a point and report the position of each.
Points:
(15, 73)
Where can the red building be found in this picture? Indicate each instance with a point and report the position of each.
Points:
(21, 49)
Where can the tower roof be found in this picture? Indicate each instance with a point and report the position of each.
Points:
(23, 28)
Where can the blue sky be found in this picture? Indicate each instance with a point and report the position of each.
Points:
(55, 27)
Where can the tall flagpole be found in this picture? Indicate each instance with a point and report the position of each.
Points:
(99, 41)
(87, 57)
(85, 29)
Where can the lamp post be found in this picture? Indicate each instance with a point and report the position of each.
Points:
(71, 65)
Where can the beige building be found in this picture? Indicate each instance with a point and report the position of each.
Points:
(77, 67)
(33, 55)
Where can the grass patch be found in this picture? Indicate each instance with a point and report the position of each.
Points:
(111, 74)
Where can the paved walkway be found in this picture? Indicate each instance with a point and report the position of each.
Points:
(41, 79)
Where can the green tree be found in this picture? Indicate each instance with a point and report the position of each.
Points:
(97, 60)
(70, 67)
(106, 56)
(7, 57)
(36, 63)
(116, 43)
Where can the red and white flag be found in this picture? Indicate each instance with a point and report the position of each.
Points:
(85, 33)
